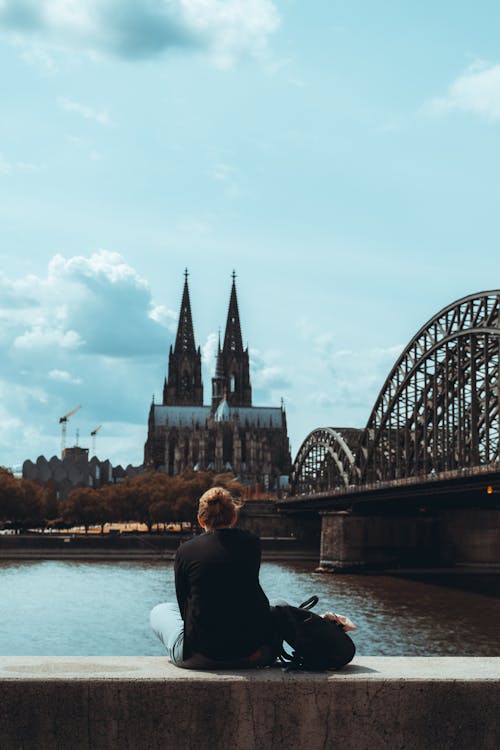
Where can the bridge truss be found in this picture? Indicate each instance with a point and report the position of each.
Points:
(438, 409)
(324, 461)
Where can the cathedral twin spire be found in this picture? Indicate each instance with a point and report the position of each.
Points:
(184, 341)
(184, 386)
(232, 338)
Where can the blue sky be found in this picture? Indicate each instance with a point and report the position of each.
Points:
(343, 158)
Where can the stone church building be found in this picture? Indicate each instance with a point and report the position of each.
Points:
(228, 435)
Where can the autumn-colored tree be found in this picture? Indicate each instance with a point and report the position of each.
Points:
(160, 511)
(26, 508)
(84, 506)
(7, 494)
(50, 503)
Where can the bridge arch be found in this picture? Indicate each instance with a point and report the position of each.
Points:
(439, 406)
(438, 410)
(324, 461)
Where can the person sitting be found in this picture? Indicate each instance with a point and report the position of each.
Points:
(222, 617)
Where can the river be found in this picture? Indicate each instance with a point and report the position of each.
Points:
(101, 608)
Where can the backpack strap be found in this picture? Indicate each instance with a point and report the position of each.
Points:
(309, 603)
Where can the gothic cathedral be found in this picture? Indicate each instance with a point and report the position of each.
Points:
(230, 434)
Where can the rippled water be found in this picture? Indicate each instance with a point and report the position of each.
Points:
(79, 608)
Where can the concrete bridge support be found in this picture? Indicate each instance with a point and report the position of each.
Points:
(451, 537)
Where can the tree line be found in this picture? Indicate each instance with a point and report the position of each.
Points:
(152, 498)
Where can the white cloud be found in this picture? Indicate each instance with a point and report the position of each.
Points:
(269, 380)
(38, 338)
(64, 377)
(226, 175)
(209, 352)
(135, 29)
(232, 28)
(165, 317)
(339, 385)
(476, 90)
(102, 117)
(223, 172)
(88, 332)
(358, 376)
(7, 167)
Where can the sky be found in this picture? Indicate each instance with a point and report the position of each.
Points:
(342, 158)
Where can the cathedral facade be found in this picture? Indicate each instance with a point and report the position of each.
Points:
(228, 435)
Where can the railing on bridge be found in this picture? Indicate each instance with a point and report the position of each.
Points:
(433, 477)
(438, 410)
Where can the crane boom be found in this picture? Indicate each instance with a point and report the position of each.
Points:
(69, 414)
(63, 421)
(93, 434)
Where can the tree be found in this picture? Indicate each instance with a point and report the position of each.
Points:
(26, 504)
(50, 503)
(84, 507)
(7, 494)
(160, 511)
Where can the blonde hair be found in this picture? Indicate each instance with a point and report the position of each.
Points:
(217, 508)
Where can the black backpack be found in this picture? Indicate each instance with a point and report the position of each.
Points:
(317, 643)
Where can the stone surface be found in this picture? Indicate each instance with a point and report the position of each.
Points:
(143, 703)
(452, 537)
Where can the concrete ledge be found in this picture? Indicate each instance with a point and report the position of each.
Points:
(143, 703)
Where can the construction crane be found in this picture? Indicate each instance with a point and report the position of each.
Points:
(63, 421)
(92, 435)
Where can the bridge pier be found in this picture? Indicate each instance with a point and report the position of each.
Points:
(471, 536)
(446, 538)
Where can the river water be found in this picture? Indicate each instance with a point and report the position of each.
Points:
(101, 608)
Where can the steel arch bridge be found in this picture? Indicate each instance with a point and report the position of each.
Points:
(324, 461)
(438, 409)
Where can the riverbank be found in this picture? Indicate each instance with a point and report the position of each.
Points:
(127, 547)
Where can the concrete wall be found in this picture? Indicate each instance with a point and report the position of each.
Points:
(131, 547)
(351, 542)
(143, 703)
(471, 537)
(451, 537)
(263, 518)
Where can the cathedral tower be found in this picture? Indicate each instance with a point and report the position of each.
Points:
(229, 434)
(218, 381)
(235, 364)
(184, 386)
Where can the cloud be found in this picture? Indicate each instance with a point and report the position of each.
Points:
(223, 172)
(38, 338)
(269, 380)
(340, 385)
(64, 377)
(226, 175)
(141, 29)
(87, 332)
(102, 118)
(358, 376)
(165, 317)
(476, 90)
(8, 168)
(209, 352)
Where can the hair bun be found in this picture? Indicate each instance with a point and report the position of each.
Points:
(217, 508)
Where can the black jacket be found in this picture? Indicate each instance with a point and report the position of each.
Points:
(225, 611)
